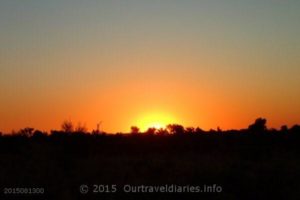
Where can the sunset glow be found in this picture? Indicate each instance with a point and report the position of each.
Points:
(149, 63)
(154, 120)
(158, 98)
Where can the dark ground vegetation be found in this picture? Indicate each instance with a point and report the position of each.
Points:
(255, 163)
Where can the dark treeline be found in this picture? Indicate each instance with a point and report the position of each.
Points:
(253, 163)
(67, 128)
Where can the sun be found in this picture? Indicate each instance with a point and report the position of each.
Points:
(156, 125)
(154, 120)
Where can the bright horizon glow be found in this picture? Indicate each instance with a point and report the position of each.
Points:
(154, 120)
(206, 63)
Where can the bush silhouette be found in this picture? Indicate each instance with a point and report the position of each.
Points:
(67, 126)
(162, 132)
(28, 132)
(190, 130)
(80, 128)
(258, 126)
(175, 129)
(134, 130)
(150, 131)
(296, 129)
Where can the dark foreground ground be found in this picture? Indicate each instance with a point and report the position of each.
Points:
(245, 166)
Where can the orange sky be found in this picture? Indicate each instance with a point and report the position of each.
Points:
(205, 64)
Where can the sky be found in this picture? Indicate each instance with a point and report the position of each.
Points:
(206, 63)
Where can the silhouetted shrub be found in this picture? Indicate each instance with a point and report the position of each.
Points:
(284, 128)
(39, 134)
(67, 126)
(134, 130)
(27, 132)
(258, 126)
(162, 132)
(81, 128)
(175, 129)
(150, 131)
(190, 130)
(199, 130)
(295, 129)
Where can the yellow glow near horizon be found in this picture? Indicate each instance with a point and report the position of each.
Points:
(155, 120)
(195, 63)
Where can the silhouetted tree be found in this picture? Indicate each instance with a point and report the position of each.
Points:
(151, 131)
(199, 130)
(80, 128)
(39, 134)
(67, 126)
(284, 128)
(134, 130)
(162, 132)
(190, 130)
(295, 129)
(212, 131)
(28, 132)
(175, 129)
(258, 126)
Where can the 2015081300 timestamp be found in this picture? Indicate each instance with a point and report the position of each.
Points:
(23, 191)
